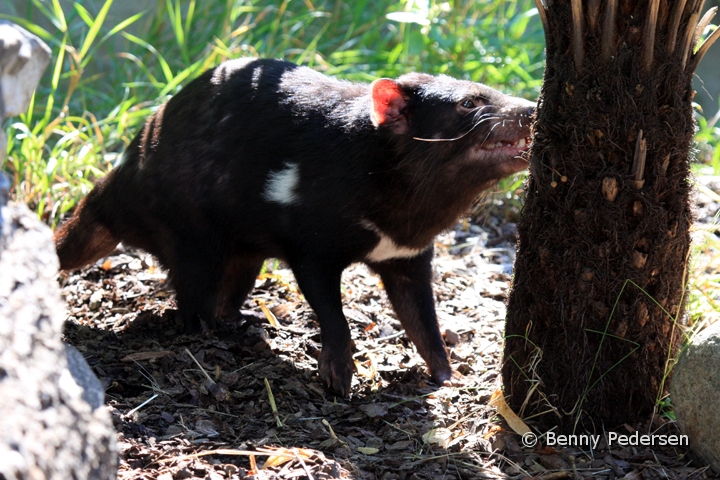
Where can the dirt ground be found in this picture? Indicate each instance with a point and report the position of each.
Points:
(246, 401)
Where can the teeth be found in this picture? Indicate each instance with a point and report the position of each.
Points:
(522, 143)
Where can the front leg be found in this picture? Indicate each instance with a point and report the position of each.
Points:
(196, 271)
(319, 281)
(408, 285)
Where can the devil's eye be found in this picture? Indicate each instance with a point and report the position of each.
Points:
(467, 104)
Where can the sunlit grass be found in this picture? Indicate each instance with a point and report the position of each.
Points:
(708, 140)
(106, 78)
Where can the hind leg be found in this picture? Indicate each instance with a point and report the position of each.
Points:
(238, 280)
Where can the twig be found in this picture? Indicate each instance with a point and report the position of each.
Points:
(141, 405)
(273, 407)
(305, 467)
(578, 49)
(200, 366)
(390, 337)
(649, 43)
(608, 36)
(332, 432)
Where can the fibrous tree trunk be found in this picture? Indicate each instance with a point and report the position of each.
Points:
(601, 265)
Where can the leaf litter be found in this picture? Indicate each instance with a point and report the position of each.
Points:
(245, 402)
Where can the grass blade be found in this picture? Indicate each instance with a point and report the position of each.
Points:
(95, 28)
(167, 71)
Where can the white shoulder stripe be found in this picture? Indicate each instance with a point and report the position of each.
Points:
(281, 185)
(386, 248)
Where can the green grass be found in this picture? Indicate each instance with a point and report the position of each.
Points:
(708, 141)
(106, 78)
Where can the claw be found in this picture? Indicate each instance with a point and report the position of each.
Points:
(443, 373)
(336, 371)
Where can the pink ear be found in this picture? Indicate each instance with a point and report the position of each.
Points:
(388, 104)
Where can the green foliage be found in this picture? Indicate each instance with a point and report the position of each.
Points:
(107, 78)
(708, 142)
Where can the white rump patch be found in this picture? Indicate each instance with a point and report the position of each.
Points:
(387, 248)
(257, 73)
(281, 185)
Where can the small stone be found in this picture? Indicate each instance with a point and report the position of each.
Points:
(451, 338)
(95, 300)
(184, 473)
(374, 410)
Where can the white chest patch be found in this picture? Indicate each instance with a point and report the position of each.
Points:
(387, 248)
(281, 185)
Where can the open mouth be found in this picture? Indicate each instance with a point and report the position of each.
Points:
(510, 155)
(517, 146)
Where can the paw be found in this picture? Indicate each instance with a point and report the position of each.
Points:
(456, 379)
(442, 373)
(336, 369)
(193, 325)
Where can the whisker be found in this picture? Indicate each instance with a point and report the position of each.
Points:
(475, 125)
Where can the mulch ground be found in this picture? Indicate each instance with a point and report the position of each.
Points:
(246, 401)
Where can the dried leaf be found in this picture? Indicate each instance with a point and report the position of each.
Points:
(283, 455)
(368, 372)
(438, 436)
(268, 314)
(498, 401)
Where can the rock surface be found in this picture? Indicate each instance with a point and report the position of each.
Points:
(23, 58)
(52, 425)
(47, 428)
(694, 392)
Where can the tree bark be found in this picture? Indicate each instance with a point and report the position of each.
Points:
(602, 260)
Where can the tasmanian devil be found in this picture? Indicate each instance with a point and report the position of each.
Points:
(262, 158)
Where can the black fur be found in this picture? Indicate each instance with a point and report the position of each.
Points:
(192, 189)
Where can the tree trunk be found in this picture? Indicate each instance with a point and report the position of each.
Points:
(602, 259)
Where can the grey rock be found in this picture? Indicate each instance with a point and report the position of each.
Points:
(695, 394)
(93, 391)
(23, 58)
(48, 429)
